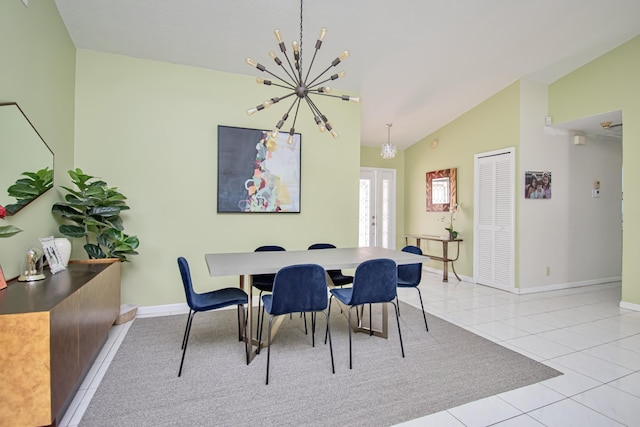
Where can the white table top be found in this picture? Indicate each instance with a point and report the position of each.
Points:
(236, 264)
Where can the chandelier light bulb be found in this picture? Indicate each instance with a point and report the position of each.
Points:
(324, 89)
(323, 32)
(296, 47)
(334, 133)
(251, 62)
(251, 111)
(268, 103)
(278, 35)
(344, 55)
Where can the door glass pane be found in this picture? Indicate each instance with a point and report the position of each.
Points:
(365, 213)
(385, 213)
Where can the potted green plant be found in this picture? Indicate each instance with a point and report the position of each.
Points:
(94, 209)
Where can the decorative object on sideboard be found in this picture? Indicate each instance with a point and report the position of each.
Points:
(388, 148)
(94, 209)
(33, 271)
(64, 249)
(52, 254)
(452, 233)
(299, 84)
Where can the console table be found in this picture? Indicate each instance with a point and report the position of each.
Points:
(445, 252)
(51, 332)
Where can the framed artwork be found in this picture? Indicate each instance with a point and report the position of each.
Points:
(441, 190)
(51, 253)
(537, 185)
(256, 172)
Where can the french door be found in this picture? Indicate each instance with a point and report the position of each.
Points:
(377, 220)
(494, 207)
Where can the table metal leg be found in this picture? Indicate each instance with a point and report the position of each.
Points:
(445, 264)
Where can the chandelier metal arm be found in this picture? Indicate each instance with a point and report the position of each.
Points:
(313, 82)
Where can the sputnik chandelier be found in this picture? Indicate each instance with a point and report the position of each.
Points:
(301, 87)
(388, 148)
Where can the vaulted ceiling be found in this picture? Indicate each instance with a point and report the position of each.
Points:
(415, 63)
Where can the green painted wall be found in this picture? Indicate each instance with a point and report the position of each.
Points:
(492, 125)
(37, 72)
(150, 128)
(611, 83)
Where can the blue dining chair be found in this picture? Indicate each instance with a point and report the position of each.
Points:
(336, 276)
(264, 283)
(375, 281)
(409, 276)
(298, 288)
(207, 301)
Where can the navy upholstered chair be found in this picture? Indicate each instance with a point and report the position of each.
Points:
(336, 276)
(375, 281)
(207, 301)
(410, 275)
(298, 288)
(264, 283)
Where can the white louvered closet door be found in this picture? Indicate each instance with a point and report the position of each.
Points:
(494, 219)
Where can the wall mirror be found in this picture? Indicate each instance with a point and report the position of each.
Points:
(23, 151)
(441, 190)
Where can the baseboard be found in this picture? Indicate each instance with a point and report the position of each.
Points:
(569, 285)
(630, 306)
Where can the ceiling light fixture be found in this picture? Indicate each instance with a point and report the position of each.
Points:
(388, 148)
(300, 86)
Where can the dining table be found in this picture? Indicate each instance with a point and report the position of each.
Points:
(246, 264)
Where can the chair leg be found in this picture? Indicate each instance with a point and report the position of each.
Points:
(370, 322)
(421, 305)
(333, 366)
(399, 332)
(261, 322)
(350, 355)
(305, 323)
(186, 339)
(313, 328)
(246, 338)
(258, 327)
(328, 317)
(398, 303)
(239, 323)
(269, 349)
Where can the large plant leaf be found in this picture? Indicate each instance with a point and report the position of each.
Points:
(72, 230)
(94, 251)
(9, 230)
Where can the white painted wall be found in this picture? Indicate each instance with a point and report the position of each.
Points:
(577, 237)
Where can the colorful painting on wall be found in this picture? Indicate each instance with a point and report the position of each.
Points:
(537, 185)
(256, 172)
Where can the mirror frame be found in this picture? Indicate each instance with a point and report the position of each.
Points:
(46, 147)
(453, 198)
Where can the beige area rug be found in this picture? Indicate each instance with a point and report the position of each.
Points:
(444, 368)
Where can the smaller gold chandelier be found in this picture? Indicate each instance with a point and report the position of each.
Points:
(388, 148)
(299, 84)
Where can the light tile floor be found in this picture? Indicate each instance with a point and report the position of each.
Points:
(581, 331)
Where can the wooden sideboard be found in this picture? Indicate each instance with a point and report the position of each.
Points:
(50, 333)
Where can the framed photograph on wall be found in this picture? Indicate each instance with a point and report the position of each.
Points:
(537, 185)
(256, 172)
